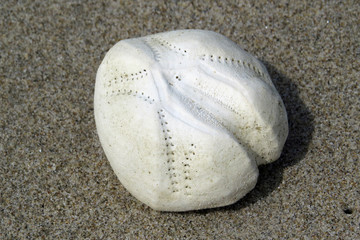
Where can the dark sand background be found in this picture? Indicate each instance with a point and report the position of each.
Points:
(55, 181)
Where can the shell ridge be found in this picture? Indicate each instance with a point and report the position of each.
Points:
(241, 90)
(214, 121)
(210, 61)
(152, 47)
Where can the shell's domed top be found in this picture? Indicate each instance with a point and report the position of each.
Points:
(185, 117)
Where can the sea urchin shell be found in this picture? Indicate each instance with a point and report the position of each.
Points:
(185, 117)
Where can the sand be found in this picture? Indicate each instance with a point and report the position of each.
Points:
(55, 181)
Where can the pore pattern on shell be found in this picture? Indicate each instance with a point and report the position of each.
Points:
(185, 117)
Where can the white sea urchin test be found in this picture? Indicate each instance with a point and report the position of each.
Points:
(185, 117)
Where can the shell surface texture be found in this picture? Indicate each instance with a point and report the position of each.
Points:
(185, 118)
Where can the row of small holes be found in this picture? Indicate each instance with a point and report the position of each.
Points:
(227, 60)
(172, 47)
(170, 153)
(128, 77)
(131, 93)
(186, 164)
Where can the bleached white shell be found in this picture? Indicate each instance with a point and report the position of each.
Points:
(185, 117)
